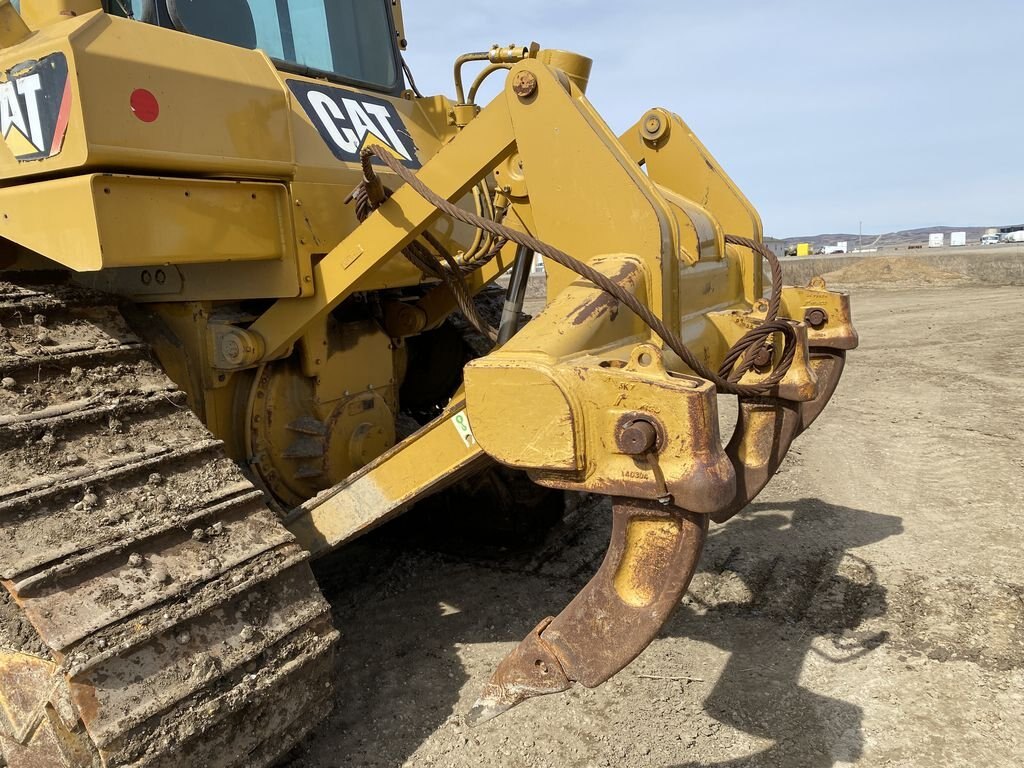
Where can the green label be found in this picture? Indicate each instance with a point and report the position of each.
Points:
(461, 422)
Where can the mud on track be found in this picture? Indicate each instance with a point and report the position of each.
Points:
(867, 610)
(161, 602)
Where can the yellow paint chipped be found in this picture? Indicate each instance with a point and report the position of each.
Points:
(650, 545)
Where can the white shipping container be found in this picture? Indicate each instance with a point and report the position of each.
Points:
(937, 240)
(957, 238)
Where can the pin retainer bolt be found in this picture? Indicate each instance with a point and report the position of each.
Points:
(638, 437)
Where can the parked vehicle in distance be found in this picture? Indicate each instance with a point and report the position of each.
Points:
(989, 239)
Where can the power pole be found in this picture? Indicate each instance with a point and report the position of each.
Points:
(860, 236)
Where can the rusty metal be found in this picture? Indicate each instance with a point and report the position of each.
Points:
(816, 317)
(572, 445)
(39, 726)
(532, 669)
(763, 357)
(524, 84)
(766, 428)
(837, 332)
(653, 553)
(637, 436)
(652, 556)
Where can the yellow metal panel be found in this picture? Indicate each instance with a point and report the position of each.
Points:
(222, 108)
(677, 160)
(38, 13)
(12, 27)
(521, 416)
(146, 220)
(706, 287)
(681, 162)
(581, 181)
(232, 282)
(101, 221)
(803, 249)
(55, 218)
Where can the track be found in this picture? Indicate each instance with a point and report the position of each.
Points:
(156, 612)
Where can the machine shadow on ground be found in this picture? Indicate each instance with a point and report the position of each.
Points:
(774, 588)
(772, 581)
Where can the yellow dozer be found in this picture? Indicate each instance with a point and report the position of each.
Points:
(247, 294)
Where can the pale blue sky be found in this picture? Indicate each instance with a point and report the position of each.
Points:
(900, 113)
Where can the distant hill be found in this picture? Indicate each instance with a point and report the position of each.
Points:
(889, 240)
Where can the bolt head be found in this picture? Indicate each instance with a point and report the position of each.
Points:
(763, 357)
(232, 349)
(524, 84)
(238, 347)
(816, 317)
(654, 127)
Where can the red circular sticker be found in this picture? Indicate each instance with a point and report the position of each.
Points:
(144, 105)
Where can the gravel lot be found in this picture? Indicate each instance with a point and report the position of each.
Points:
(867, 610)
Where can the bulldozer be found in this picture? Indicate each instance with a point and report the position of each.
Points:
(259, 295)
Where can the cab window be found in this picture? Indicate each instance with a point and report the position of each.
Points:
(351, 39)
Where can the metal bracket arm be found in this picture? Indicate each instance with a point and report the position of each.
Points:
(452, 172)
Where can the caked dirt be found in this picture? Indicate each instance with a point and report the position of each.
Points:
(867, 609)
(136, 554)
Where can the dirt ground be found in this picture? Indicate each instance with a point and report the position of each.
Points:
(867, 610)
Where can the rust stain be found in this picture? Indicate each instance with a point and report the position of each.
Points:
(593, 309)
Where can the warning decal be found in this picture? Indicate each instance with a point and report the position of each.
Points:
(348, 121)
(461, 422)
(35, 105)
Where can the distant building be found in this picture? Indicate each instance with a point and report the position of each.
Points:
(936, 240)
(957, 239)
(778, 247)
(1011, 234)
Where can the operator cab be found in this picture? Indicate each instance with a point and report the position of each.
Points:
(351, 41)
